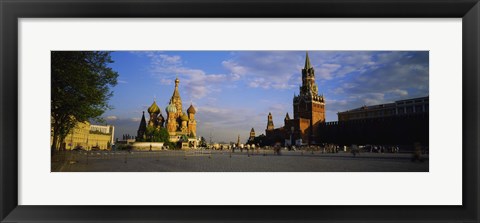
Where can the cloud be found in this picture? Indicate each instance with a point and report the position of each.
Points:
(348, 80)
(196, 82)
(336, 105)
(400, 75)
(163, 60)
(166, 81)
(373, 98)
(111, 118)
(122, 82)
(278, 107)
(226, 123)
(236, 70)
(383, 78)
(169, 59)
(399, 92)
(265, 69)
(227, 117)
(326, 71)
(282, 69)
(136, 119)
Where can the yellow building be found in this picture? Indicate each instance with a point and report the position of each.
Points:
(87, 136)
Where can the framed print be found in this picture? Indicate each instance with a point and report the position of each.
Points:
(239, 111)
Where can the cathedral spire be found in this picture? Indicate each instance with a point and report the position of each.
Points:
(175, 99)
(142, 128)
(143, 118)
(307, 62)
(175, 92)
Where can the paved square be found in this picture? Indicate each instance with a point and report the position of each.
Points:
(225, 161)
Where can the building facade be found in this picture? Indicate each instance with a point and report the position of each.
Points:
(181, 126)
(86, 136)
(404, 130)
(308, 114)
(401, 107)
(403, 122)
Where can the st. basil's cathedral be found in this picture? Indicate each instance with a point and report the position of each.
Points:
(181, 126)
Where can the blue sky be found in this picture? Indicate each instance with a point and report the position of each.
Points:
(234, 91)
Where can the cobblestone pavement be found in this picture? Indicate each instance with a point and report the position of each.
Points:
(225, 161)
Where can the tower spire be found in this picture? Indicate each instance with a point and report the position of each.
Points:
(177, 81)
(270, 125)
(175, 99)
(142, 128)
(307, 61)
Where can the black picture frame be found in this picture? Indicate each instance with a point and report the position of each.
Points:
(11, 11)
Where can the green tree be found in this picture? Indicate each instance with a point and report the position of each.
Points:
(157, 135)
(203, 142)
(80, 89)
(164, 136)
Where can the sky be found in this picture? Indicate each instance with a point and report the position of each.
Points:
(233, 91)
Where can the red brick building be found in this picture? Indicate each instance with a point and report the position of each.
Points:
(308, 114)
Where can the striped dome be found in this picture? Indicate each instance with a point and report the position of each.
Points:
(171, 108)
(154, 108)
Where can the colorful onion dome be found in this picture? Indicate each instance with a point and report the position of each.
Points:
(191, 109)
(171, 108)
(184, 117)
(154, 108)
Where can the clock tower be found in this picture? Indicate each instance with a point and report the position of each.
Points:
(309, 104)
